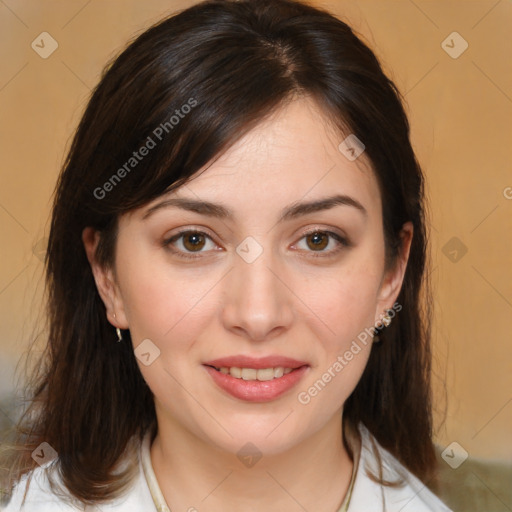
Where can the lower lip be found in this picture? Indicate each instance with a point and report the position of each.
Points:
(255, 390)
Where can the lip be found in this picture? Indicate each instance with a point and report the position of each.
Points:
(256, 363)
(255, 390)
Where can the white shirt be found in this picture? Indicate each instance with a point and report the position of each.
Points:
(145, 494)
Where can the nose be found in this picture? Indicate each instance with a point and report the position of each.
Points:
(258, 303)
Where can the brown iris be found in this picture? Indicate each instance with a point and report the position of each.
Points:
(193, 241)
(320, 240)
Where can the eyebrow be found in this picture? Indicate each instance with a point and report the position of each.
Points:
(292, 211)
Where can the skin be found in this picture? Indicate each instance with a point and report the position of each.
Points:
(287, 302)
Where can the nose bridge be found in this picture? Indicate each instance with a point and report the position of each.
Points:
(257, 302)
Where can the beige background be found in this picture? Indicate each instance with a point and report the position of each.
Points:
(460, 110)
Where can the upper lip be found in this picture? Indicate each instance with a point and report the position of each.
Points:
(255, 362)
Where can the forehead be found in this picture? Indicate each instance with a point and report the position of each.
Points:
(293, 155)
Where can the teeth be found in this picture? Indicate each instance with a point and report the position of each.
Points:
(278, 372)
(249, 373)
(262, 374)
(236, 372)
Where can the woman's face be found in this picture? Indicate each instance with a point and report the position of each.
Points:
(256, 283)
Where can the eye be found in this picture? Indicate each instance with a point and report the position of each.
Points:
(187, 242)
(317, 240)
(193, 241)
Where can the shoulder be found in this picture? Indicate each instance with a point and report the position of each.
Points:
(35, 488)
(41, 498)
(411, 496)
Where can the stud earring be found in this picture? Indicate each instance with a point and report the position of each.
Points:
(386, 320)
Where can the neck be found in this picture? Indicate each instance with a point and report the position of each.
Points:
(193, 474)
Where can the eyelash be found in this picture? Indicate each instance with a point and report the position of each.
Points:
(343, 243)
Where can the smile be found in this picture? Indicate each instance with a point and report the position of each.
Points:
(256, 385)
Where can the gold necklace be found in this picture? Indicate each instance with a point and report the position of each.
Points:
(159, 500)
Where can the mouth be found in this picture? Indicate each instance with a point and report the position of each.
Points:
(258, 381)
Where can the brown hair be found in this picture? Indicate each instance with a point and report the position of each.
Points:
(233, 63)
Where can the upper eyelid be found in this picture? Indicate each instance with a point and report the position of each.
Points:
(184, 231)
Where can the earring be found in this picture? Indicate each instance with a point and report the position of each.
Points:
(118, 332)
(386, 320)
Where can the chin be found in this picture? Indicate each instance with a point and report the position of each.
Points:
(266, 438)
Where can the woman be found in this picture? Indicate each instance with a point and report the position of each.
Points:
(234, 269)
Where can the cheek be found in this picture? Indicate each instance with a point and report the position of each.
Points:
(345, 310)
(343, 301)
(163, 304)
(172, 310)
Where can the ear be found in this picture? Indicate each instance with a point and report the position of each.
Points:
(105, 281)
(393, 278)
